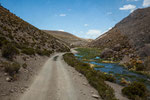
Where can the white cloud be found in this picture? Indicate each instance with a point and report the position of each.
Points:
(128, 7)
(62, 15)
(61, 30)
(86, 25)
(146, 3)
(93, 33)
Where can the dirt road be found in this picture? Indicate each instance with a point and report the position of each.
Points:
(58, 81)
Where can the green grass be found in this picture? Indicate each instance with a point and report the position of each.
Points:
(95, 78)
(88, 53)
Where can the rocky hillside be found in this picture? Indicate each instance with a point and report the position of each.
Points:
(25, 37)
(130, 38)
(68, 38)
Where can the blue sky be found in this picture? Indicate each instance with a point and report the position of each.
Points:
(84, 18)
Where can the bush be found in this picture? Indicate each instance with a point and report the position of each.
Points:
(16, 66)
(8, 51)
(28, 51)
(110, 78)
(43, 52)
(135, 90)
(11, 68)
(140, 67)
(2, 39)
(24, 65)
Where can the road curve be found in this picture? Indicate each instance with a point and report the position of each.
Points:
(58, 81)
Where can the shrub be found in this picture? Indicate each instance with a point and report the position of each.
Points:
(16, 66)
(2, 39)
(43, 52)
(140, 67)
(46, 53)
(8, 51)
(24, 65)
(28, 51)
(110, 78)
(11, 68)
(135, 90)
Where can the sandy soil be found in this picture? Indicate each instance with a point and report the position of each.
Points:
(58, 81)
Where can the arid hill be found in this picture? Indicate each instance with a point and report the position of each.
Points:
(69, 38)
(130, 37)
(23, 36)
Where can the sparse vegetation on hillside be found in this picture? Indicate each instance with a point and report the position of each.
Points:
(96, 79)
(18, 35)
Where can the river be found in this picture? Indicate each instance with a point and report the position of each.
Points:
(118, 72)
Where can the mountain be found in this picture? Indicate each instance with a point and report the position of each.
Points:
(130, 37)
(68, 38)
(25, 37)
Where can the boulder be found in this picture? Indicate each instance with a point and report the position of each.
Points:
(95, 96)
(144, 51)
(8, 79)
(117, 47)
(107, 53)
(126, 59)
(147, 49)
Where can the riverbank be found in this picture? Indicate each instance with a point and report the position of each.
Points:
(96, 79)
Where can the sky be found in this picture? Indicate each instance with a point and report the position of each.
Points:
(83, 18)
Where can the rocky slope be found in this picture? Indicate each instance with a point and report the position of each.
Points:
(24, 36)
(130, 38)
(68, 38)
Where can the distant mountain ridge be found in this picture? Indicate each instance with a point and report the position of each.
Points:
(68, 38)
